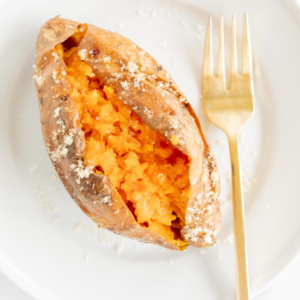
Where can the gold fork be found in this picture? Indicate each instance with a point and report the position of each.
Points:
(230, 109)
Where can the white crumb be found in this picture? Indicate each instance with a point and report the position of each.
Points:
(226, 205)
(56, 112)
(119, 248)
(107, 59)
(83, 54)
(56, 57)
(33, 169)
(78, 227)
(81, 170)
(199, 28)
(62, 150)
(40, 80)
(229, 239)
(125, 85)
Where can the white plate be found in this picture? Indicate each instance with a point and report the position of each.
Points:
(53, 251)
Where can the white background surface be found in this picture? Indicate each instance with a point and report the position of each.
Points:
(29, 235)
(286, 287)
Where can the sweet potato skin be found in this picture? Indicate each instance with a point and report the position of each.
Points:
(160, 104)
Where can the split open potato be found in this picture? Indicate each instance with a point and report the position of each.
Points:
(123, 138)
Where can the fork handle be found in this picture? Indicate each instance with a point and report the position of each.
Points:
(238, 221)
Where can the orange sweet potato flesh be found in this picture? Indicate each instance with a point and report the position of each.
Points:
(150, 174)
(123, 138)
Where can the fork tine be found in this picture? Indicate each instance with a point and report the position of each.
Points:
(207, 58)
(246, 52)
(233, 60)
(221, 67)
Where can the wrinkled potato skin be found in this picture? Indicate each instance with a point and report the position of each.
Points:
(169, 117)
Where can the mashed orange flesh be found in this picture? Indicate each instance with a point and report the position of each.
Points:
(149, 173)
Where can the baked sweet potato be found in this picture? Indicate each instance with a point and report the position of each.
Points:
(124, 140)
